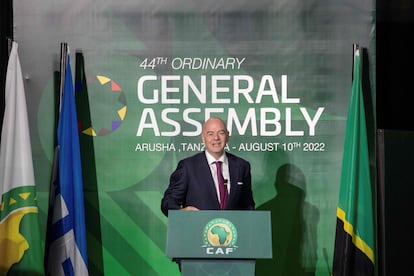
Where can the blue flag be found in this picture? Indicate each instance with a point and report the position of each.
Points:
(66, 252)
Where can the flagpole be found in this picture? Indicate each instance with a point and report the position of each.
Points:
(355, 47)
(63, 62)
(380, 196)
(9, 45)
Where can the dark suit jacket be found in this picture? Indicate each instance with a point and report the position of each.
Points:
(192, 184)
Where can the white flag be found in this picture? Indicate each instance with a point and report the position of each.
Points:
(17, 183)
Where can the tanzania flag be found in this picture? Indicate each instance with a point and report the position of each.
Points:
(20, 243)
(354, 243)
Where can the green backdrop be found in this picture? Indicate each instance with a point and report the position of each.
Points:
(279, 72)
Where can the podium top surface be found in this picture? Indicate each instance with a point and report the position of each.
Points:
(219, 234)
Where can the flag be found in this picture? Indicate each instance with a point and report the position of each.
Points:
(354, 242)
(93, 224)
(20, 242)
(66, 252)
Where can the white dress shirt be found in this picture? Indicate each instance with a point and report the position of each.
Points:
(224, 168)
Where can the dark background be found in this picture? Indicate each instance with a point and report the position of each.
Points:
(394, 125)
(395, 22)
(395, 140)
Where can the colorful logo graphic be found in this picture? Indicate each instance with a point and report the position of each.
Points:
(106, 117)
(219, 232)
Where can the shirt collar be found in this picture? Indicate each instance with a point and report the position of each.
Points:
(211, 159)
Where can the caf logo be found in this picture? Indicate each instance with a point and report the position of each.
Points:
(219, 232)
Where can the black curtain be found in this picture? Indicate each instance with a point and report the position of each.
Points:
(395, 61)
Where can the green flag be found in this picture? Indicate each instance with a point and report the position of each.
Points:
(354, 242)
(20, 243)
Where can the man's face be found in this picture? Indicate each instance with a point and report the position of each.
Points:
(215, 137)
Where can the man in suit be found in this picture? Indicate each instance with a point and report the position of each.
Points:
(194, 185)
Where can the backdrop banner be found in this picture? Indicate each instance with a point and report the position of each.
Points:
(278, 72)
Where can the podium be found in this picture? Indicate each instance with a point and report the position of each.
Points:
(211, 242)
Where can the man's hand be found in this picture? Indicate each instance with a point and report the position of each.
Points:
(190, 208)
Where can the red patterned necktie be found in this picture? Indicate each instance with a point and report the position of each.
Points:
(222, 187)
